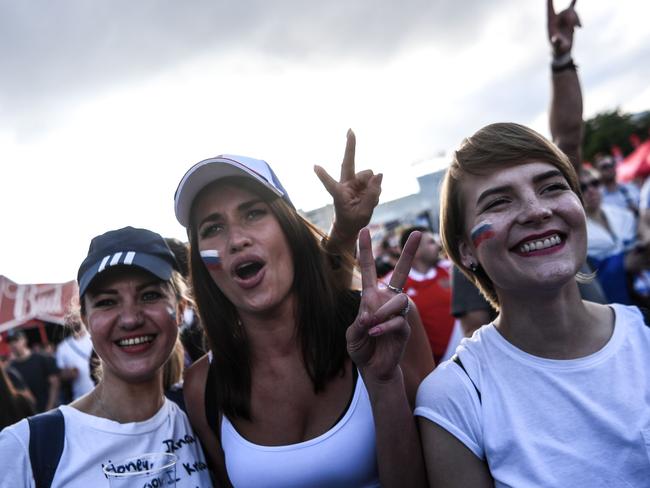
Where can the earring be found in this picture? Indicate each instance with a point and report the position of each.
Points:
(473, 266)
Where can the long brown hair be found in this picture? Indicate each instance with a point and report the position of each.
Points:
(324, 309)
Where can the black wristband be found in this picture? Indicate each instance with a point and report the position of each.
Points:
(563, 67)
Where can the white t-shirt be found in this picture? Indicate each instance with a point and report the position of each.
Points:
(75, 353)
(550, 423)
(92, 442)
(622, 196)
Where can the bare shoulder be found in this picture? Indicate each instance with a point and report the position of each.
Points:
(449, 462)
(196, 377)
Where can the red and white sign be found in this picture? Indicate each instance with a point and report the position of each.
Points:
(20, 304)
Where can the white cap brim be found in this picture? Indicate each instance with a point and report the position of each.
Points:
(210, 170)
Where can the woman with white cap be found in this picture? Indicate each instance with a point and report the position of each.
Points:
(129, 291)
(307, 384)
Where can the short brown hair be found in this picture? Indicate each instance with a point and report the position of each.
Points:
(493, 147)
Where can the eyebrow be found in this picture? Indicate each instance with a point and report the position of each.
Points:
(552, 173)
(113, 291)
(240, 208)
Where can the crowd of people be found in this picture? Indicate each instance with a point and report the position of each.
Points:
(266, 353)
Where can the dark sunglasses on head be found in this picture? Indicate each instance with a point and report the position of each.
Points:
(593, 184)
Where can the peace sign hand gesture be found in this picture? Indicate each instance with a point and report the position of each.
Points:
(377, 338)
(355, 194)
(561, 27)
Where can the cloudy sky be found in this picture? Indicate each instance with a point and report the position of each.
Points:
(105, 104)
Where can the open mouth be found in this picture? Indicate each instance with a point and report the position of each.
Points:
(135, 341)
(248, 269)
(540, 244)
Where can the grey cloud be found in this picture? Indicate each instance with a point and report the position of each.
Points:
(52, 51)
(603, 68)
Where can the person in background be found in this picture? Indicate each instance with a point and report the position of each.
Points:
(16, 405)
(38, 371)
(617, 194)
(429, 286)
(468, 305)
(387, 258)
(73, 360)
(613, 249)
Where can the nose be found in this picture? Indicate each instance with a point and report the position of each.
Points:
(534, 212)
(131, 316)
(239, 239)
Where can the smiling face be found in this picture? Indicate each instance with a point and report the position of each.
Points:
(531, 225)
(132, 319)
(255, 268)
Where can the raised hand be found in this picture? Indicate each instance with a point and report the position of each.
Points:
(377, 338)
(355, 194)
(561, 27)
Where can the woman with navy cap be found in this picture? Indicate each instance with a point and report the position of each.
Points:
(129, 290)
(308, 384)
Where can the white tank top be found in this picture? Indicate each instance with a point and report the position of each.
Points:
(344, 456)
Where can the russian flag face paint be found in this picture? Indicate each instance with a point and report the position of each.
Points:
(172, 313)
(211, 258)
(481, 232)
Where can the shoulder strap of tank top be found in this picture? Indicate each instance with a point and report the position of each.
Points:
(46, 437)
(457, 360)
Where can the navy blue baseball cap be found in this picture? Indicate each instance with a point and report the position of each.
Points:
(126, 247)
(210, 170)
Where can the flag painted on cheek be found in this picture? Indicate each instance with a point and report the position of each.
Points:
(211, 258)
(172, 313)
(481, 232)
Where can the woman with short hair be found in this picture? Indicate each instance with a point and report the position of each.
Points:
(554, 392)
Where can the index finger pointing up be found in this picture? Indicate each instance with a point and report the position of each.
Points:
(366, 261)
(403, 266)
(550, 10)
(347, 166)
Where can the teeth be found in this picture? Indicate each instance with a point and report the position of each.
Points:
(134, 341)
(541, 244)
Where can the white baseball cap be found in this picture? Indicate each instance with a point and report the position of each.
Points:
(210, 170)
